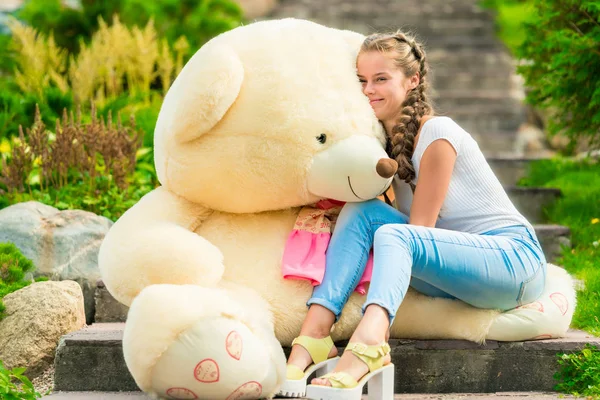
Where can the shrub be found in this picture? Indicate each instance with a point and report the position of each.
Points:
(16, 386)
(561, 53)
(580, 373)
(196, 20)
(13, 267)
(82, 165)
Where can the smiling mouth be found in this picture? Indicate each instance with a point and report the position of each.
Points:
(352, 189)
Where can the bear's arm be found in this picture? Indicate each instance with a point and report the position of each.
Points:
(154, 242)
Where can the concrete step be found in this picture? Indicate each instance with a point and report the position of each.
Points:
(553, 238)
(92, 360)
(510, 168)
(439, 396)
(531, 201)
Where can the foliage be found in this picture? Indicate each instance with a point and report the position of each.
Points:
(561, 51)
(511, 15)
(13, 267)
(580, 373)
(118, 60)
(16, 386)
(94, 166)
(120, 70)
(196, 20)
(579, 209)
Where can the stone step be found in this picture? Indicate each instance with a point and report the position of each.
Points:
(531, 201)
(92, 360)
(510, 169)
(552, 239)
(438, 396)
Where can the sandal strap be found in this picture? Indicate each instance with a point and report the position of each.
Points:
(340, 380)
(370, 355)
(317, 348)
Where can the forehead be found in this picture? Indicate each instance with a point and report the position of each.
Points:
(373, 62)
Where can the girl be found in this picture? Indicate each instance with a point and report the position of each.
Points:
(454, 233)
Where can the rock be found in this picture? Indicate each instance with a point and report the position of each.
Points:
(63, 245)
(37, 316)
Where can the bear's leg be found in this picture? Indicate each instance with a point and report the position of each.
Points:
(191, 342)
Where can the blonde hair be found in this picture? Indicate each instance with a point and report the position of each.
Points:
(408, 56)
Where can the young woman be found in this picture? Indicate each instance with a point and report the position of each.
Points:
(454, 233)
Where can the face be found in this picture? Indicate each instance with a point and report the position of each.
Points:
(384, 84)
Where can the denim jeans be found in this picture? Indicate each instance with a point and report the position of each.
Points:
(499, 269)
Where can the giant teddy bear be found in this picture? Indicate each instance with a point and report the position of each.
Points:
(262, 120)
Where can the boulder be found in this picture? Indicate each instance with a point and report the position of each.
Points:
(63, 245)
(36, 317)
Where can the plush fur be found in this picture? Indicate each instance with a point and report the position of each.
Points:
(237, 154)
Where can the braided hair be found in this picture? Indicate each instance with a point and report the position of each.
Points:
(408, 55)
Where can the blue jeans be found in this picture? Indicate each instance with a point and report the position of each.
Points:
(499, 269)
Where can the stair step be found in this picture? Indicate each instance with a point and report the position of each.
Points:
(531, 201)
(510, 169)
(439, 396)
(552, 239)
(92, 360)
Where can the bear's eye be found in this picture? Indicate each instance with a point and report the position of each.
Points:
(322, 138)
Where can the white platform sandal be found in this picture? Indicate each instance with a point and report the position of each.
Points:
(380, 378)
(295, 384)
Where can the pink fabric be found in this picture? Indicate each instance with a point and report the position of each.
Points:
(304, 253)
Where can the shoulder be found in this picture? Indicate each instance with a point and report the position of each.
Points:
(440, 127)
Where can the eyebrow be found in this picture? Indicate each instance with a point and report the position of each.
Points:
(377, 74)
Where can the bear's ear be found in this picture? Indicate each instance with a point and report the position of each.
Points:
(202, 93)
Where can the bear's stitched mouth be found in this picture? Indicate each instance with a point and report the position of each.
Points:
(352, 189)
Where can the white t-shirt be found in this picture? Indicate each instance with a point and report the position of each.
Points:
(476, 201)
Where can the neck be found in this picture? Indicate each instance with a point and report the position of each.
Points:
(388, 126)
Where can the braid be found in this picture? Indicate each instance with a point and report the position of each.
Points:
(411, 59)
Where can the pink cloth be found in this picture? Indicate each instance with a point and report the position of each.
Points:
(304, 253)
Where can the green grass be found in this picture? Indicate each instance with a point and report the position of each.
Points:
(579, 209)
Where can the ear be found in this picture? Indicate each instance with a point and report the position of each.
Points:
(415, 80)
(202, 93)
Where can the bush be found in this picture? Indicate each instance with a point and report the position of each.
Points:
(197, 20)
(13, 267)
(16, 386)
(561, 53)
(580, 373)
(96, 166)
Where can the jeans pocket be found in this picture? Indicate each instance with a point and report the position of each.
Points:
(532, 287)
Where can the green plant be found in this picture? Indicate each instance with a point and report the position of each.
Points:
(561, 54)
(579, 209)
(13, 267)
(511, 16)
(16, 386)
(197, 21)
(92, 165)
(580, 373)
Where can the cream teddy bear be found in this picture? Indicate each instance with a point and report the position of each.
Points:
(263, 120)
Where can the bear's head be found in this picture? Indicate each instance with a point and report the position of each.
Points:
(269, 116)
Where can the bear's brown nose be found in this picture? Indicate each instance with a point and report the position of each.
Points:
(386, 167)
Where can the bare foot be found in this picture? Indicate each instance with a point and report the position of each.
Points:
(317, 325)
(300, 356)
(352, 365)
(372, 330)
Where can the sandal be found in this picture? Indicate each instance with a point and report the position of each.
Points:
(295, 384)
(380, 378)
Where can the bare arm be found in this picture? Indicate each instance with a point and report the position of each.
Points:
(435, 172)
